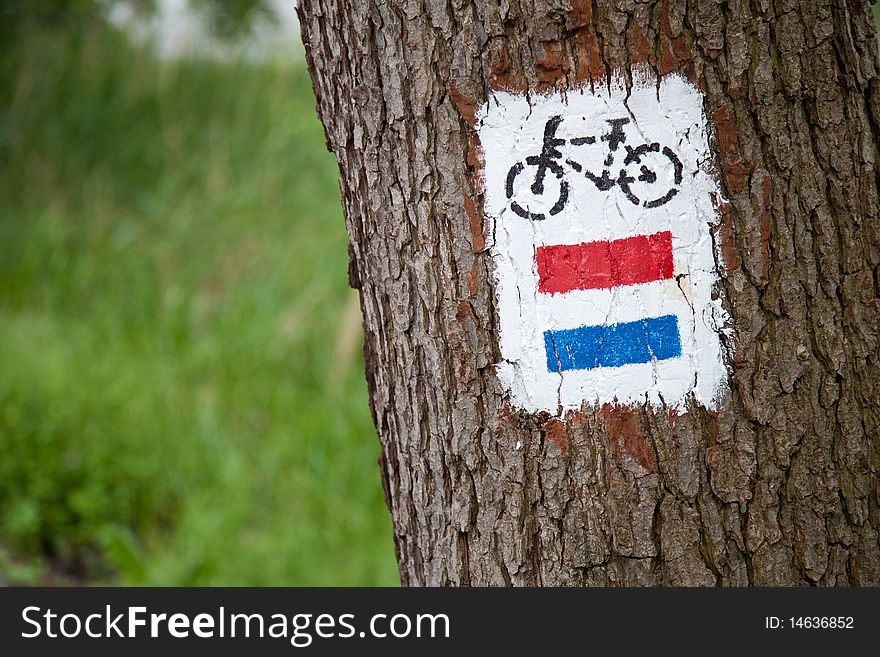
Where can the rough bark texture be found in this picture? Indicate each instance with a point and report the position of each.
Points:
(779, 487)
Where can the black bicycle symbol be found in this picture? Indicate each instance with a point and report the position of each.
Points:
(638, 165)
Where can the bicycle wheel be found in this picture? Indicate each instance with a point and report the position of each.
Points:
(651, 175)
(537, 196)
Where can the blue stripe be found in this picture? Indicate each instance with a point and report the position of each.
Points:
(612, 345)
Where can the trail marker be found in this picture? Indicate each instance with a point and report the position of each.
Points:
(600, 214)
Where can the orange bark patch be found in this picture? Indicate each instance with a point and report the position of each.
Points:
(464, 100)
(736, 169)
(623, 429)
(576, 418)
(736, 175)
(640, 51)
(555, 431)
(471, 278)
(502, 76)
(508, 415)
(674, 52)
(551, 66)
(725, 133)
(475, 161)
(478, 242)
(463, 311)
(726, 236)
(581, 14)
(589, 61)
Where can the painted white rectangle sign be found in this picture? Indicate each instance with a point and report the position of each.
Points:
(600, 214)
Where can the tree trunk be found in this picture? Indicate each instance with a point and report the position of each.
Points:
(775, 482)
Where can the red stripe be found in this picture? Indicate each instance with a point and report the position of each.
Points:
(598, 265)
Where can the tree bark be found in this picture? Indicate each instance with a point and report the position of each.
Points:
(779, 485)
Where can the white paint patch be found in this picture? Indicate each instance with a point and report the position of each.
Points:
(513, 128)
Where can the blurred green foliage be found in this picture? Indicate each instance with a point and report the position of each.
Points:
(228, 19)
(233, 18)
(182, 399)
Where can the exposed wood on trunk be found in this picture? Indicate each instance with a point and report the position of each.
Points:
(778, 487)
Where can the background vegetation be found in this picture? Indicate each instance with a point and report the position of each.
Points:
(182, 400)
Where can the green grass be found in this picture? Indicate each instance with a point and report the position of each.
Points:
(182, 400)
